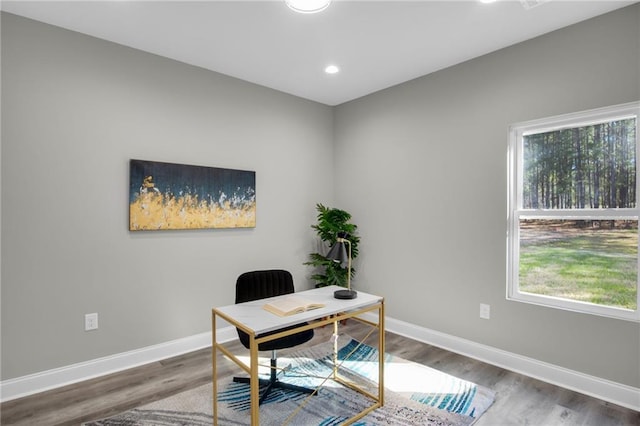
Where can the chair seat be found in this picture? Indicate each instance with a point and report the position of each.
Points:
(282, 342)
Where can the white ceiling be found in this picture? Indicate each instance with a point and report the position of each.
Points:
(377, 44)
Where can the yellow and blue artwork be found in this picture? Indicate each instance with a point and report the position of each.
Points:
(177, 196)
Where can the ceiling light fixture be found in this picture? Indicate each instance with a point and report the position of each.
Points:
(331, 69)
(308, 6)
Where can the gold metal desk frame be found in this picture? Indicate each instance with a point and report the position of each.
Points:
(255, 321)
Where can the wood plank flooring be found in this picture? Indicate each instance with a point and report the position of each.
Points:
(520, 400)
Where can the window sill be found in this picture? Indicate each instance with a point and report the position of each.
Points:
(578, 307)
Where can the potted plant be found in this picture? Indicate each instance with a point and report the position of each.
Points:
(331, 222)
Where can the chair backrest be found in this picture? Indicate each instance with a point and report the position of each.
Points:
(262, 284)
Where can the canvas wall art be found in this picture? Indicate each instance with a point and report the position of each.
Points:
(177, 196)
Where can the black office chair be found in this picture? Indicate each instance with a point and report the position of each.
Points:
(259, 285)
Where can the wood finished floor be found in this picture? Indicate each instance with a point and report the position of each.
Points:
(520, 400)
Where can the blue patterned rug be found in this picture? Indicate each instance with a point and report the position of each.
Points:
(414, 395)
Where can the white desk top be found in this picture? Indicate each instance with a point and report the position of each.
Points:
(252, 315)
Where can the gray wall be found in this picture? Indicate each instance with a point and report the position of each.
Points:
(74, 111)
(422, 167)
(423, 170)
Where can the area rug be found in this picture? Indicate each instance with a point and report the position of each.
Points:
(414, 395)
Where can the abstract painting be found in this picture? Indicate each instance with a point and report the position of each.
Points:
(177, 196)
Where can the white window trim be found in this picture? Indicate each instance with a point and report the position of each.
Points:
(515, 212)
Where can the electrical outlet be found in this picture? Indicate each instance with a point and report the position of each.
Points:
(485, 311)
(91, 322)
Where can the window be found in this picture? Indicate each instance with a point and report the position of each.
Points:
(573, 212)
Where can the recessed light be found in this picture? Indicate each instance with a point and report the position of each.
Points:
(488, 1)
(308, 6)
(332, 69)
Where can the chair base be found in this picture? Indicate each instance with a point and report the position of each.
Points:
(273, 383)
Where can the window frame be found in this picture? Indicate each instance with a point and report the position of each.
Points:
(515, 212)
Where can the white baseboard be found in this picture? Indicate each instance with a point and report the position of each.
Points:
(617, 393)
(51, 379)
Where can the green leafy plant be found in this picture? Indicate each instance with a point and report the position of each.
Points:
(331, 223)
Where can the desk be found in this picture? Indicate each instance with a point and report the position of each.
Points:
(255, 321)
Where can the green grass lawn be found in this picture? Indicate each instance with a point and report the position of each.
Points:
(588, 265)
